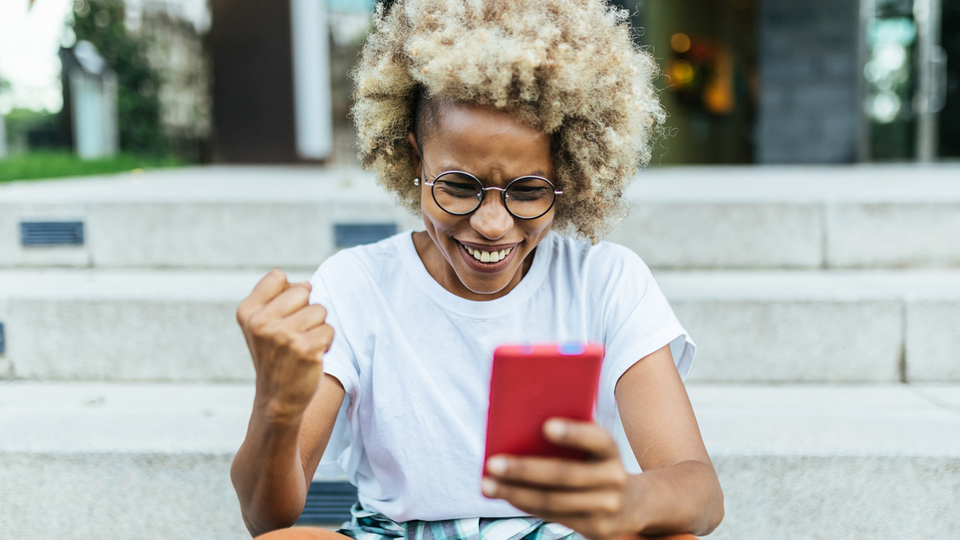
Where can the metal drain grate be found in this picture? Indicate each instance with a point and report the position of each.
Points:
(51, 233)
(356, 234)
(328, 502)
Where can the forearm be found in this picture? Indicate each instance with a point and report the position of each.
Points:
(267, 473)
(680, 498)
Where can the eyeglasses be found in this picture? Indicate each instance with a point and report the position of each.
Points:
(460, 193)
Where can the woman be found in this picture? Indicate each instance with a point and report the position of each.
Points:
(499, 121)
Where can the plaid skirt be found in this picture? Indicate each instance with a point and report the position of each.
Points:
(367, 525)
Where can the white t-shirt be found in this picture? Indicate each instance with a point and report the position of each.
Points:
(415, 362)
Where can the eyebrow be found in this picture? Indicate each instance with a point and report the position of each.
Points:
(448, 167)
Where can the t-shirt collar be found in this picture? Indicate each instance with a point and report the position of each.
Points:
(473, 308)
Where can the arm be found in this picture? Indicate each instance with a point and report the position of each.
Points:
(295, 405)
(677, 493)
(273, 469)
(679, 490)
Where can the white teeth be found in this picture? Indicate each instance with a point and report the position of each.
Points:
(488, 256)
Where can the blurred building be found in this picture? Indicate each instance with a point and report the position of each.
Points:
(271, 84)
(744, 81)
(176, 51)
(174, 32)
(779, 81)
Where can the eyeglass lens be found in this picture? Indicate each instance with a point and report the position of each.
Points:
(526, 197)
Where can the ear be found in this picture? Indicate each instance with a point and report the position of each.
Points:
(414, 154)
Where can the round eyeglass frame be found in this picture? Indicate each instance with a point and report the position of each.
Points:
(483, 192)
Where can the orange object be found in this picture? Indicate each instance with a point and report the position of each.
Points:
(718, 94)
(303, 533)
(680, 42)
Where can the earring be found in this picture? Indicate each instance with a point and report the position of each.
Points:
(416, 181)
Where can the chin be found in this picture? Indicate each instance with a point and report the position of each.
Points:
(485, 286)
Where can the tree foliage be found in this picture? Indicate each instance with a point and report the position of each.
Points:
(101, 22)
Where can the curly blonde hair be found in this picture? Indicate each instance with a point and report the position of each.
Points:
(569, 68)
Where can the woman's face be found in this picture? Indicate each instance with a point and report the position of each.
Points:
(495, 148)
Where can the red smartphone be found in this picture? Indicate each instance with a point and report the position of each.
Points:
(533, 383)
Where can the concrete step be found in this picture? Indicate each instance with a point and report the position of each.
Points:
(820, 326)
(770, 326)
(864, 216)
(128, 325)
(839, 462)
(217, 217)
(681, 218)
(122, 460)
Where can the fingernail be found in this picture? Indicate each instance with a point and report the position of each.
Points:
(488, 487)
(555, 429)
(497, 465)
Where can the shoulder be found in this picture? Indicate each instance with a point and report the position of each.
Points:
(604, 259)
(605, 273)
(361, 265)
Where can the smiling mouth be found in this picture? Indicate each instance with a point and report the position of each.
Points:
(488, 256)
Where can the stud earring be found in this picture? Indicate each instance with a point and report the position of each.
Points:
(416, 181)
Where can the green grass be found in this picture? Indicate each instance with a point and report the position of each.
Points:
(48, 164)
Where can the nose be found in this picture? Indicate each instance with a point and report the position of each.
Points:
(492, 219)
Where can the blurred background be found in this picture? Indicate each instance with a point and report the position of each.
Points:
(200, 81)
(157, 157)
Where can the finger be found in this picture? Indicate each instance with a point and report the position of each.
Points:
(309, 347)
(318, 340)
(548, 501)
(286, 303)
(558, 473)
(307, 317)
(586, 436)
(269, 286)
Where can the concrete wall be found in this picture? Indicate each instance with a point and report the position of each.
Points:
(808, 109)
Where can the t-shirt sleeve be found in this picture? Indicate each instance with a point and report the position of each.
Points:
(637, 321)
(341, 363)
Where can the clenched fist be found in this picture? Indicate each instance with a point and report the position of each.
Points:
(287, 338)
